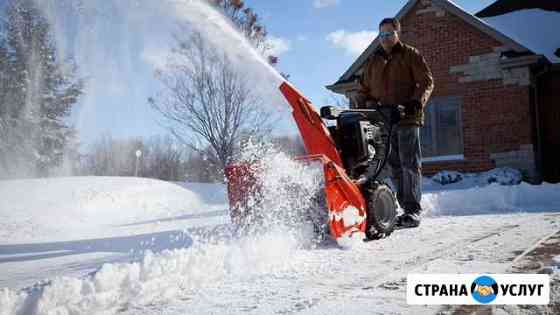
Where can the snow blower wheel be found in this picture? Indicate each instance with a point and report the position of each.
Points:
(382, 211)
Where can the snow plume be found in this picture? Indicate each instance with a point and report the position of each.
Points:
(114, 42)
(222, 35)
(288, 194)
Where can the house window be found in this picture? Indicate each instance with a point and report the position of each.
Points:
(442, 134)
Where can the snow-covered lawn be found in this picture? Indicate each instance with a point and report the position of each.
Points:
(166, 248)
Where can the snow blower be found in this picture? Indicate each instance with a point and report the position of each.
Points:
(352, 154)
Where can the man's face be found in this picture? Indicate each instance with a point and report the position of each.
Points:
(389, 36)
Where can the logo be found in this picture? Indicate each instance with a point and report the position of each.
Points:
(476, 289)
(484, 289)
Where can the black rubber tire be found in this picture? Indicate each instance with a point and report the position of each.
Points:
(381, 212)
(318, 215)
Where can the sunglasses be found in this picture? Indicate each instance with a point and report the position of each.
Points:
(386, 34)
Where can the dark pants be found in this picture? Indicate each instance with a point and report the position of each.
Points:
(405, 162)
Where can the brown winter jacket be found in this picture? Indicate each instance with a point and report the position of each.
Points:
(395, 79)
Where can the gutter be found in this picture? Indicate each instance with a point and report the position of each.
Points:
(522, 61)
(340, 88)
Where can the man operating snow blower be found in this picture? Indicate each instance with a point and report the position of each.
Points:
(397, 74)
(355, 203)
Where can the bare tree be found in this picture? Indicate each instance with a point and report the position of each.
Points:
(207, 103)
(163, 159)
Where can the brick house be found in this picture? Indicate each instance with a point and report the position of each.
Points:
(497, 99)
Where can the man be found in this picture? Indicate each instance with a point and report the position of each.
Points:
(396, 74)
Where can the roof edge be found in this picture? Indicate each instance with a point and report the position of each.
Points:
(524, 61)
(341, 87)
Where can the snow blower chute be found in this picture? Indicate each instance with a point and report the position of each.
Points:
(352, 154)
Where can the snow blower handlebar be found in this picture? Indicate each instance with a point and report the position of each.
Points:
(390, 115)
(332, 113)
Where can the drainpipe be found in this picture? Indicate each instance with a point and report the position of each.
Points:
(536, 103)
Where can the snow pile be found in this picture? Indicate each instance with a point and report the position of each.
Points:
(157, 278)
(447, 177)
(556, 261)
(10, 301)
(66, 208)
(493, 198)
(502, 176)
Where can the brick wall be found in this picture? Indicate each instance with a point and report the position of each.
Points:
(496, 102)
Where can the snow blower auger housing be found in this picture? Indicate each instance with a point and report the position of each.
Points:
(352, 153)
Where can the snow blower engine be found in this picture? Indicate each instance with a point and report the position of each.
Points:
(352, 153)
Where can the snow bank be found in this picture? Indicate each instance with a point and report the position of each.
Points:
(502, 176)
(66, 207)
(447, 177)
(209, 193)
(157, 278)
(496, 191)
(493, 198)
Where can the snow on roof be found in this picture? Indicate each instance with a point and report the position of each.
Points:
(535, 29)
(505, 6)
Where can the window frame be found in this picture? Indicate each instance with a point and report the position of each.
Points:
(433, 105)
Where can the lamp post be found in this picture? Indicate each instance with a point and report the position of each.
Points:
(138, 155)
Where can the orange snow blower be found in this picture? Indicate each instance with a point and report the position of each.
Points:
(352, 153)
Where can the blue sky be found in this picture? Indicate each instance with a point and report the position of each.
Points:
(316, 40)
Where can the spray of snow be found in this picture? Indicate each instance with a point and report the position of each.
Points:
(217, 29)
(289, 193)
(105, 43)
(291, 196)
(352, 237)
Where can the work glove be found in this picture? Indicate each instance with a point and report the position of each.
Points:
(411, 108)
